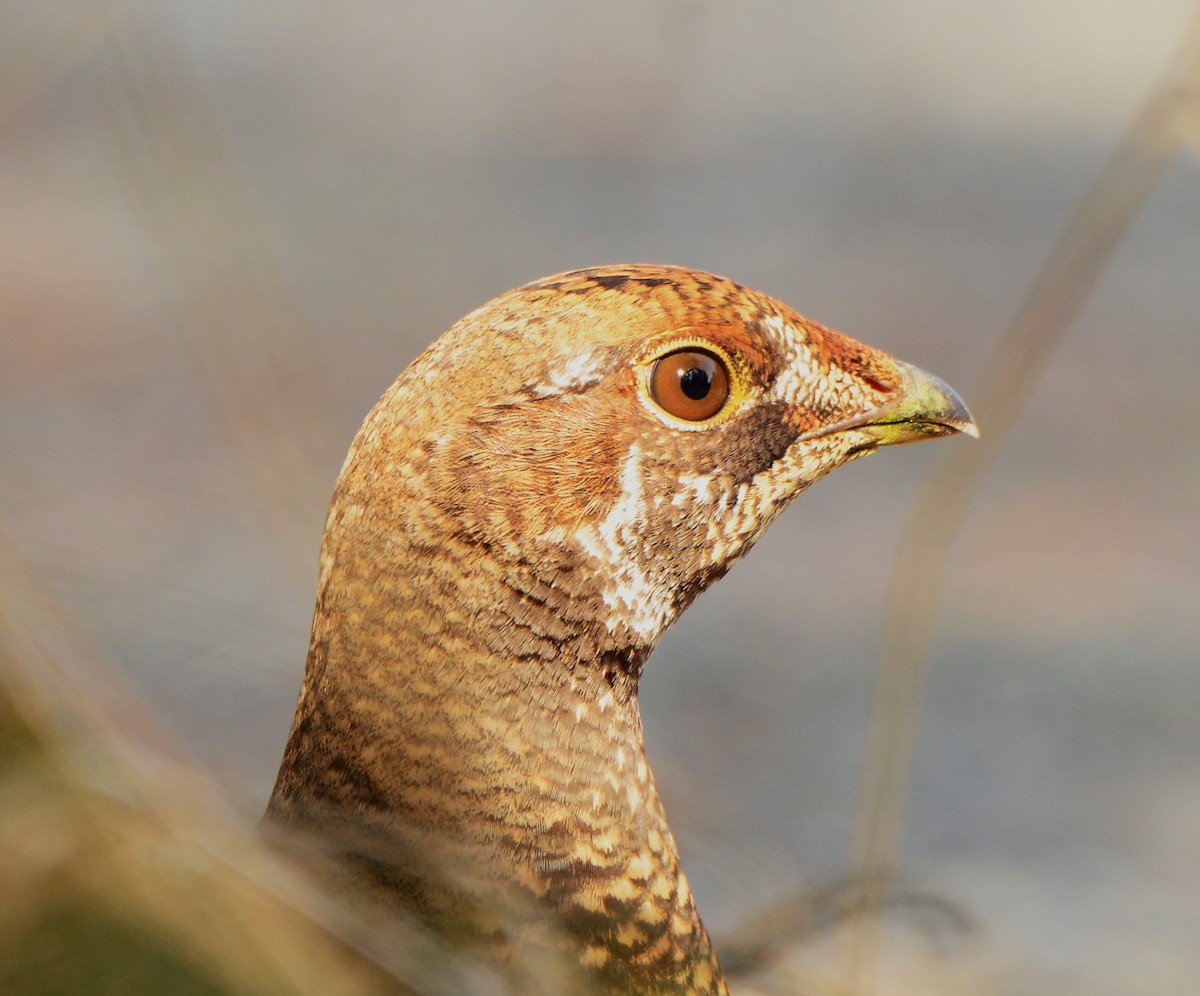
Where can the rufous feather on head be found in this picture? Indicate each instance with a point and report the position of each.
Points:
(529, 506)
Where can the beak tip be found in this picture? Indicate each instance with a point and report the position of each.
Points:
(955, 413)
(969, 427)
(929, 400)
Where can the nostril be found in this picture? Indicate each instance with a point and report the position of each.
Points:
(878, 385)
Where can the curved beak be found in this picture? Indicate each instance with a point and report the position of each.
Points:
(922, 406)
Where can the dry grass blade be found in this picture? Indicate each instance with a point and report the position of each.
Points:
(119, 863)
(1166, 122)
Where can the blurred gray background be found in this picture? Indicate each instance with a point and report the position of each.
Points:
(225, 228)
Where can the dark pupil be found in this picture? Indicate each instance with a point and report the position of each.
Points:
(695, 383)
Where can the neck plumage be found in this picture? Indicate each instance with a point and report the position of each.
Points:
(468, 728)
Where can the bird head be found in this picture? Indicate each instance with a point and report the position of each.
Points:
(522, 514)
(627, 432)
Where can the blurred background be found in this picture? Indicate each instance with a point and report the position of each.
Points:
(225, 228)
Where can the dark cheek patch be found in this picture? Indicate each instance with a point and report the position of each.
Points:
(752, 442)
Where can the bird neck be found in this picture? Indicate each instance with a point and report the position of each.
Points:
(470, 720)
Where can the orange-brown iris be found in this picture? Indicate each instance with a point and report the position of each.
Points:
(690, 384)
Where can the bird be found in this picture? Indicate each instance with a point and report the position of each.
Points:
(526, 510)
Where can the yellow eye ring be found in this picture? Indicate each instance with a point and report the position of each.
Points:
(691, 384)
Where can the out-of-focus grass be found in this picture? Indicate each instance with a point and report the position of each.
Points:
(1167, 123)
(123, 871)
(250, 343)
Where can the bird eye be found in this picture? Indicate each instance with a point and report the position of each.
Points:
(690, 384)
